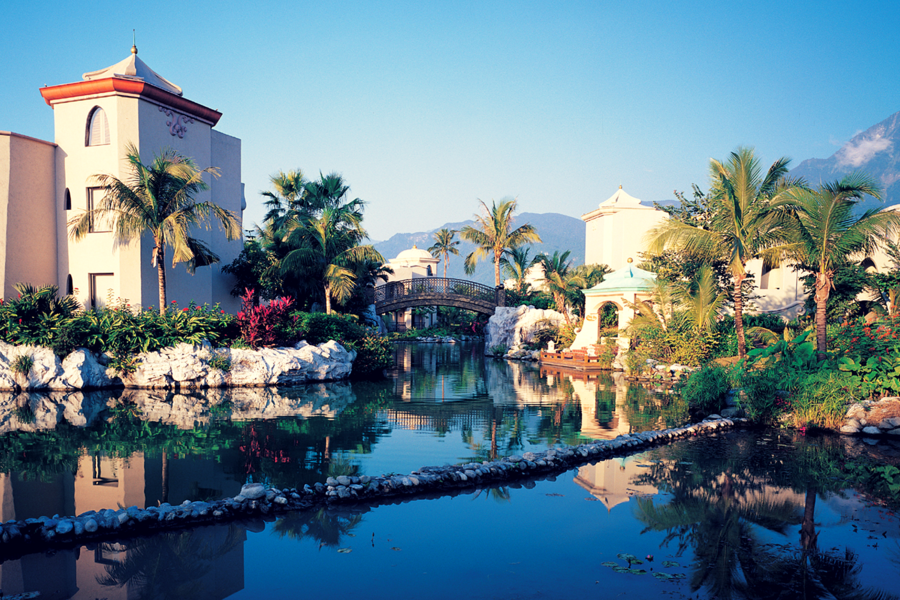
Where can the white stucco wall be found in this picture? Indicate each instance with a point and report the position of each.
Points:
(27, 212)
(613, 235)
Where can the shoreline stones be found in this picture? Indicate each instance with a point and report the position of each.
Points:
(255, 499)
(870, 418)
(184, 366)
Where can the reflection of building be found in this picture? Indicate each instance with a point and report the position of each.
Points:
(105, 482)
(611, 481)
(43, 185)
(212, 557)
(411, 264)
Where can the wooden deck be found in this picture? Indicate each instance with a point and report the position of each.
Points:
(575, 360)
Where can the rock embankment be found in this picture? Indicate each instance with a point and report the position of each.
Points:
(873, 418)
(184, 366)
(22, 536)
(514, 326)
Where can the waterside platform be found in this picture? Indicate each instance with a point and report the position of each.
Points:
(574, 360)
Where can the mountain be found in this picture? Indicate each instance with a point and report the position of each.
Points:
(558, 232)
(875, 151)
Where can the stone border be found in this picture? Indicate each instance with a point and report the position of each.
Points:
(18, 538)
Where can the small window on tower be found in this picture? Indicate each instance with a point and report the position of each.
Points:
(97, 133)
(67, 200)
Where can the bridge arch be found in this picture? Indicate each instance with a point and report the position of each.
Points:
(438, 291)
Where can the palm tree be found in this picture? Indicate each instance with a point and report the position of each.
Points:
(742, 223)
(329, 191)
(700, 300)
(289, 195)
(516, 264)
(491, 234)
(327, 249)
(826, 230)
(444, 246)
(158, 198)
(559, 280)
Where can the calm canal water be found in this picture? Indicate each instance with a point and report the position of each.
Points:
(741, 514)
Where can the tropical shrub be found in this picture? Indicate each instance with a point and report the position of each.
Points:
(220, 362)
(822, 398)
(706, 389)
(875, 375)
(374, 353)
(22, 364)
(317, 328)
(498, 350)
(265, 325)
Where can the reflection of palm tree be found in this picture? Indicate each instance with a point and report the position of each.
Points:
(719, 530)
(326, 529)
(170, 564)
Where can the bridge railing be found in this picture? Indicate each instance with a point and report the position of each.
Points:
(423, 286)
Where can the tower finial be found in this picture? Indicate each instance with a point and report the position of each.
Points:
(133, 43)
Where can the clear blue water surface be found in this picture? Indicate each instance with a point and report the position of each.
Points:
(709, 517)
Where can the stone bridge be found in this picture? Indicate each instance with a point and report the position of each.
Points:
(438, 291)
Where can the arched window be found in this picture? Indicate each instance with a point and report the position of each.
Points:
(97, 133)
(67, 200)
(70, 288)
(429, 272)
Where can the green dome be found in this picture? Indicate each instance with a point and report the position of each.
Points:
(627, 279)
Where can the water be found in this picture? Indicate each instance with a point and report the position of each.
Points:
(728, 510)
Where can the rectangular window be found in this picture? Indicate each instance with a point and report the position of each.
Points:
(101, 286)
(94, 197)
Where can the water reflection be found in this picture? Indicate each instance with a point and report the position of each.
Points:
(68, 452)
(726, 497)
(744, 515)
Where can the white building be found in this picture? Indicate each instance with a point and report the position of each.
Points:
(616, 231)
(44, 184)
(413, 263)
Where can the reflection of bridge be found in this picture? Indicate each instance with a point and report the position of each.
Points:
(438, 291)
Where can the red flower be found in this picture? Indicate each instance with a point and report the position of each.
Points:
(184, 309)
(223, 312)
(197, 307)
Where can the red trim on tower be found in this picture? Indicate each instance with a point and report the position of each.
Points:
(110, 85)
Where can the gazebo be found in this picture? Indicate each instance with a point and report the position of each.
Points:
(628, 283)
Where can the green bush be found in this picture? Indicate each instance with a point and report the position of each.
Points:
(317, 328)
(22, 364)
(707, 389)
(374, 354)
(219, 361)
(762, 397)
(822, 398)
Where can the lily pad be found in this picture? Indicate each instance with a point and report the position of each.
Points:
(670, 563)
(396, 548)
(344, 550)
(637, 571)
(609, 564)
(621, 569)
(555, 495)
(628, 557)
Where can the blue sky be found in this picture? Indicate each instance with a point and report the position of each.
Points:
(425, 107)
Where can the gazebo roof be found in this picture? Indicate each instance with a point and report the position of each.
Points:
(627, 279)
(134, 68)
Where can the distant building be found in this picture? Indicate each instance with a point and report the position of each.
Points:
(616, 232)
(413, 263)
(44, 184)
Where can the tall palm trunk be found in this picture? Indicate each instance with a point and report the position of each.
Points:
(823, 291)
(497, 256)
(445, 264)
(161, 273)
(327, 299)
(739, 314)
(808, 533)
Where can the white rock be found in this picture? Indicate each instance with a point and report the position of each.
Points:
(252, 491)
